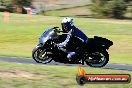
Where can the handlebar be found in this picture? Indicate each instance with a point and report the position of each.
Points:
(57, 29)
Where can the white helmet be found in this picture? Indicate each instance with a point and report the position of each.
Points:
(67, 24)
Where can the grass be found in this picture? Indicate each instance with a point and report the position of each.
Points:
(61, 4)
(20, 35)
(82, 11)
(51, 76)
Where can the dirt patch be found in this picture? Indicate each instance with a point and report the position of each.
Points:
(18, 74)
(117, 22)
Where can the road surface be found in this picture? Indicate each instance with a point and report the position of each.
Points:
(31, 61)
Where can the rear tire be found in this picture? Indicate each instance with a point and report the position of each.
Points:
(37, 55)
(101, 64)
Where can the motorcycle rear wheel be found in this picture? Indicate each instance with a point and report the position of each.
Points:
(104, 55)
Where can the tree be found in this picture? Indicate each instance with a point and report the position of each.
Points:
(127, 0)
(98, 8)
(21, 2)
(118, 8)
(109, 8)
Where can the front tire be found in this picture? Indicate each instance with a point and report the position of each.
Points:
(102, 63)
(40, 56)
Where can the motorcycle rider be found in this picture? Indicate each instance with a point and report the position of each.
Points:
(72, 32)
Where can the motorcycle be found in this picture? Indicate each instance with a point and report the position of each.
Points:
(94, 54)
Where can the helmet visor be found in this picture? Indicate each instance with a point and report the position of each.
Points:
(65, 27)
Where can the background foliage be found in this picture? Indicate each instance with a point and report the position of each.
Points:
(109, 8)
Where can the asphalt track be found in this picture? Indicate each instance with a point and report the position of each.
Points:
(31, 61)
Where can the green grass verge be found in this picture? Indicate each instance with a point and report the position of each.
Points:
(20, 35)
(41, 76)
(81, 11)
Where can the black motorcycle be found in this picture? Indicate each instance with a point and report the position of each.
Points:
(94, 54)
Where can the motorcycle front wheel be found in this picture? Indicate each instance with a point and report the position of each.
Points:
(41, 56)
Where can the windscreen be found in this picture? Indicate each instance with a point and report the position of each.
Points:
(49, 34)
